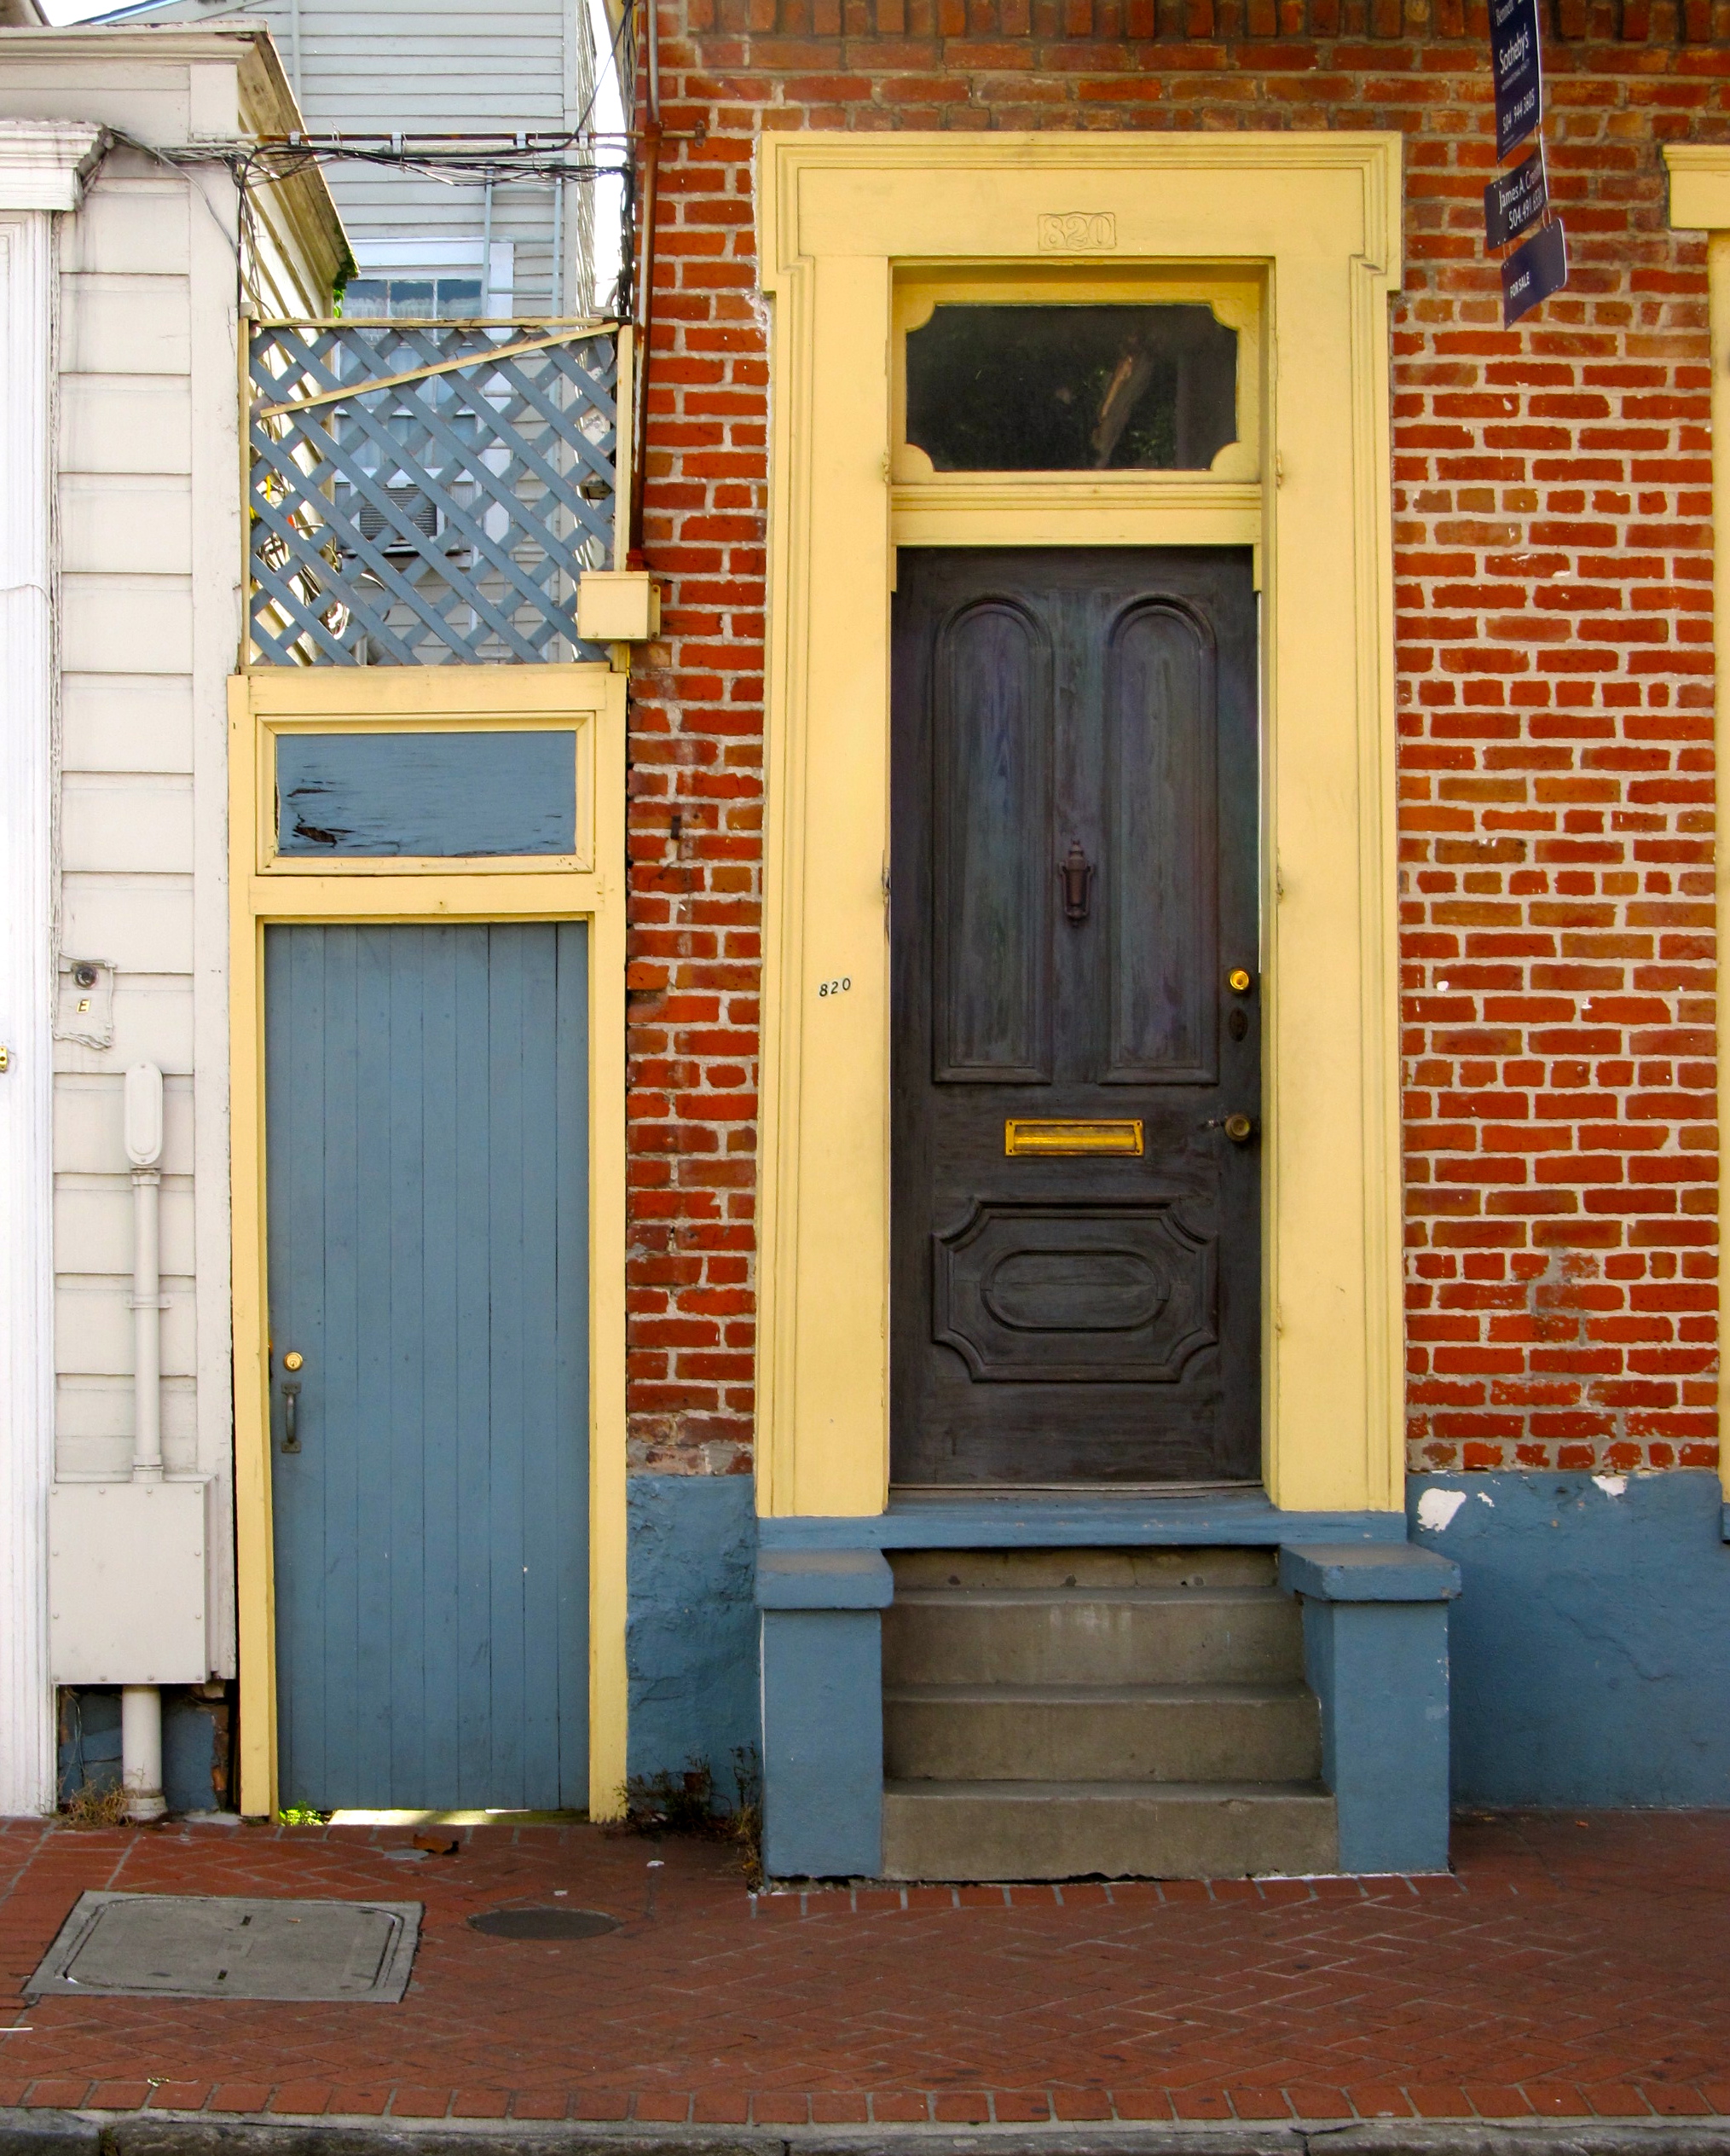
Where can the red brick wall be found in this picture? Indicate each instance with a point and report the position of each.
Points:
(1553, 566)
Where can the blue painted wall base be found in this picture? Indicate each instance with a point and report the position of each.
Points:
(690, 1630)
(1591, 1644)
(823, 1712)
(1375, 1653)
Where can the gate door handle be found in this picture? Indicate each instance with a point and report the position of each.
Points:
(291, 1404)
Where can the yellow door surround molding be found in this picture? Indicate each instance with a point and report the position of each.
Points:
(1700, 202)
(590, 700)
(1315, 219)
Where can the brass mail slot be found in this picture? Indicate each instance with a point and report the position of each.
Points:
(1050, 1135)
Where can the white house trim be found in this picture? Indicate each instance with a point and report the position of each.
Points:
(44, 162)
(42, 170)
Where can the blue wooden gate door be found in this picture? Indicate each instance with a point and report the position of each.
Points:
(427, 1097)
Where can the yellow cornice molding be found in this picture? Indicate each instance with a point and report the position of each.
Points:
(789, 159)
(1699, 175)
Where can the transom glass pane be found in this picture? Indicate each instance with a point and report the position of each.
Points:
(1016, 388)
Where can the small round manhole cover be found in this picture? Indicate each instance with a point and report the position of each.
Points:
(544, 1923)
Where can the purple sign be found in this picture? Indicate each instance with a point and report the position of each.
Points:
(1514, 201)
(1533, 272)
(1513, 62)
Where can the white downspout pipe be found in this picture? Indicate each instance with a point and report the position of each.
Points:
(140, 1705)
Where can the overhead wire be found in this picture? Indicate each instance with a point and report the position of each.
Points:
(573, 154)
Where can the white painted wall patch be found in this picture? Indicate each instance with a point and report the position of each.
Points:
(1437, 1508)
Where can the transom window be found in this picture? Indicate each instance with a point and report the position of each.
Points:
(1132, 377)
(1044, 388)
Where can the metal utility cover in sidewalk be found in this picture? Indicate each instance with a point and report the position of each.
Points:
(200, 1946)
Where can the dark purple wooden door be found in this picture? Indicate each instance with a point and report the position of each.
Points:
(1076, 1019)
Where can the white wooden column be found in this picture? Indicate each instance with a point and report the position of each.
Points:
(42, 165)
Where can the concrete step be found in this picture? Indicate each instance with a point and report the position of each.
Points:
(1081, 1635)
(1007, 1830)
(1102, 1733)
(1229, 1566)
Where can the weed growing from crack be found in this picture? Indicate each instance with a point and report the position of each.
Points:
(95, 1803)
(689, 1803)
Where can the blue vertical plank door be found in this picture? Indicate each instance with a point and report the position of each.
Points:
(427, 1116)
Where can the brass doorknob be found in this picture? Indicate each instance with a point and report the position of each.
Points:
(1239, 1129)
(1238, 980)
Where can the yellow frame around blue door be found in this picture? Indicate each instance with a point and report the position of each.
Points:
(589, 886)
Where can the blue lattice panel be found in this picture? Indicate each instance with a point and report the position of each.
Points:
(428, 492)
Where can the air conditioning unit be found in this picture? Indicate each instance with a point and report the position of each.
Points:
(411, 506)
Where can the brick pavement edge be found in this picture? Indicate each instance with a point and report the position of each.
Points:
(46, 2132)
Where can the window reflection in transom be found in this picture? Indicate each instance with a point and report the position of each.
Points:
(1006, 388)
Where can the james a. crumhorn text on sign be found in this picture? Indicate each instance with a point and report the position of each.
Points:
(1513, 202)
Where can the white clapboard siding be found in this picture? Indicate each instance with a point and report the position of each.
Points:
(93, 1319)
(141, 923)
(132, 325)
(150, 618)
(125, 423)
(93, 1226)
(152, 1023)
(90, 1125)
(93, 1417)
(139, 231)
(126, 721)
(125, 523)
(437, 68)
(127, 823)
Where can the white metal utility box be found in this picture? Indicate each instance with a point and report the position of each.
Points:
(617, 605)
(126, 1582)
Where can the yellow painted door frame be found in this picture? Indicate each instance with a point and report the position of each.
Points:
(849, 226)
(588, 885)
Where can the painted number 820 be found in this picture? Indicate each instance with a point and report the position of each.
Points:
(836, 988)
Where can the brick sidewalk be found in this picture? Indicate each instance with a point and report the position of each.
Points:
(1572, 1968)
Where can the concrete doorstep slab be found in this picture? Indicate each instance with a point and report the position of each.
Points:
(60, 2133)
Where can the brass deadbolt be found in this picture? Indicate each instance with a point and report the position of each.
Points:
(1238, 1129)
(293, 1360)
(1238, 980)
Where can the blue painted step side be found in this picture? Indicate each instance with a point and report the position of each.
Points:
(427, 1097)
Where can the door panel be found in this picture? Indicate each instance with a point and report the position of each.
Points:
(426, 1101)
(1064, 1292)
(993, 789)
(1162, 917)
(1085, 1308)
